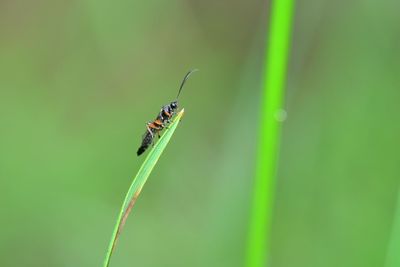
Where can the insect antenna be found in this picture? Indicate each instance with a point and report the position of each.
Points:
(184, 80)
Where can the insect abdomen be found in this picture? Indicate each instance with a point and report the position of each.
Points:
(141, 150)
(148, 138)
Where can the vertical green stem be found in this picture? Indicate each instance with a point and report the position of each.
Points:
(277, 49)
(393, 257)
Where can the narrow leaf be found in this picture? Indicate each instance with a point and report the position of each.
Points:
(138, 183)
(276, 57)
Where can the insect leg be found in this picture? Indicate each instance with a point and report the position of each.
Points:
(149, 130)
(153, 141)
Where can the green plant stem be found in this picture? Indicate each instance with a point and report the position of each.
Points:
(392, 255)
(273, 88)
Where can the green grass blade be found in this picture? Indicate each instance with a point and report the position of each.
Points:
(392, 256)
(274, 83)
(138, 183)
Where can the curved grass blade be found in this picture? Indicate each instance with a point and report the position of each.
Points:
(138, 183)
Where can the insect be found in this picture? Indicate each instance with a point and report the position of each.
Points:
(162, 120)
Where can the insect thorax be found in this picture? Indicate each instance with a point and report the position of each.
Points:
(168, 111)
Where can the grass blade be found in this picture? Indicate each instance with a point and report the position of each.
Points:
(138, 183)
(274, 83)
(392, 255)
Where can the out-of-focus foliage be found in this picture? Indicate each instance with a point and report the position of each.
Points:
(79, 79)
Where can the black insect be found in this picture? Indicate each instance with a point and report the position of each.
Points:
(162, 120)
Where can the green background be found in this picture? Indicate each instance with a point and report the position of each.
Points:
(79, 79)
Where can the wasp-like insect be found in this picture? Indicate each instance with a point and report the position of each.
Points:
(162, 120)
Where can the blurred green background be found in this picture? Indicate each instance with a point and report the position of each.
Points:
(79, 79)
